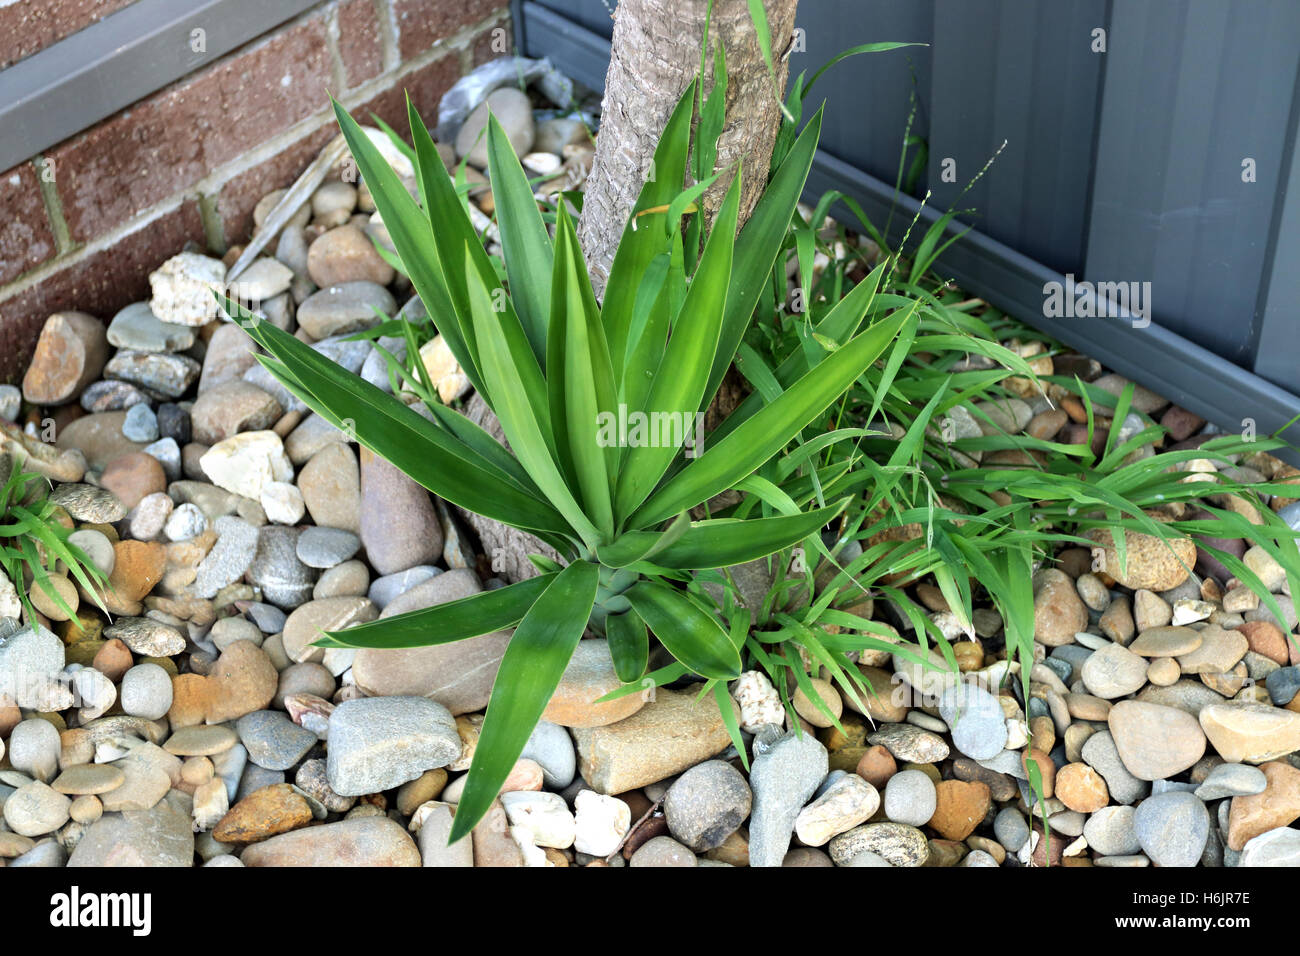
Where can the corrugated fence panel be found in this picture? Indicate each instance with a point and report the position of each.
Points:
(1192, 91)
(868, 97)
(1018, 71)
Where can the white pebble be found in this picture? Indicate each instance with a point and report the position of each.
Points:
(282, 502)
(545, 816)
(146, 691)
(601, 823)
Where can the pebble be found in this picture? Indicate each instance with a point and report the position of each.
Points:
(786, 771)
(707, 804)
(1276, 804)
(979, 727)
(896, 843)
(202, 741)
(1100, 753)
(11, 401)
(1156, 742)
(272, 740)
(326, 547)
(587, 677)
(313, 780)
(1172, 828)
(282, 502)
(435, 830)
(305, 624)
(551, 748)
(1279, 847)
(362, 841)
(513, 111)
(398, 524)
(35, 809)
(1250, 732)
(242, 680)
(1058, 611)
(264, 279)
(345, 308)
(262, 814)
(1218, 652)
(169, 376)
(70, 353)
(349, 579)
(545, 817)
(1231, 780)
(183, 289)
(910, 743)
(663, 851)
(245, 463)
(379, 743)
(1114, 671)
(284, 580)
(147, 637)
(910, 798)
(30, 662)
(146, 691)
(34, 748)
(960, 806)
(161, 836)
(174, 423)
(330, 483)
(1010, 828)
(601, 823)
(140, 424)
(1081, 788)
(89, 778)
(386, 588)
(345, 254)
(1152, 564)
(1111, 831)
(232, 407)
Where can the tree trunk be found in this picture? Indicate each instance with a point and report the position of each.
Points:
(655, 53)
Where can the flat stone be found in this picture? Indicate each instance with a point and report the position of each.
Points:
(382, 742)
(159, 373)
(273, 740)
(88, 503)
(345, 254)
(1173, 828)
(1218, 652)
(230, 408)
(911, 743)
(979, 727)
(326, 547)
(158, 837)
(706, 804)
(1280, 847)
(345, 308)
(1276, 804)
(70, 354)
(785, 773)
(35, 809)
(201, 741)
(310, 621)
(1232, 780)
(243, 680)
(136, 327)
(896, 843)
(263, 814)
(1111, 831)
(458, 675)
(1151, 563)
(1155, 742)
(147, 637)
(1114, 671)
(669, 734)
(1167, 642)
(330, 483)
(588, 677)
(1251, 732)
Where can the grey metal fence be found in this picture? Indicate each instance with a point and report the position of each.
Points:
(1147, 141)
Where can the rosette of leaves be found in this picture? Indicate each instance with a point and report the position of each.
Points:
(552, 363)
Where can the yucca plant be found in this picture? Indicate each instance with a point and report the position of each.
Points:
(557, 367)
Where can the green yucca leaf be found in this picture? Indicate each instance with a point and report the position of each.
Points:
(629, 645)
(411, 234)
(530, 670)
(684, 369)
(521, 418)
(581, 379)
(757, 246)
(634, 546)
(722, 542)
(760, 437)
(525, 244)
(467, 617)
(646, 340)
(641, 244)
(397, 433)
(690, 633)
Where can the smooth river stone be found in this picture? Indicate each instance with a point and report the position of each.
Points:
(1251, 732)
(364, 841)
(1155, 742)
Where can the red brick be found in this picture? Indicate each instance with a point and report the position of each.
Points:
(166, 143)
(420, 23)
(360, 47)
(25, 236)
(487, 45)
(240, 194)
(101, 283)
(29, 26)
(426, 87)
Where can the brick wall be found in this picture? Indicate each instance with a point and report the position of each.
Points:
(83, 224)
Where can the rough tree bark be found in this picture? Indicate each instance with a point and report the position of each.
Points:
(655, 53)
